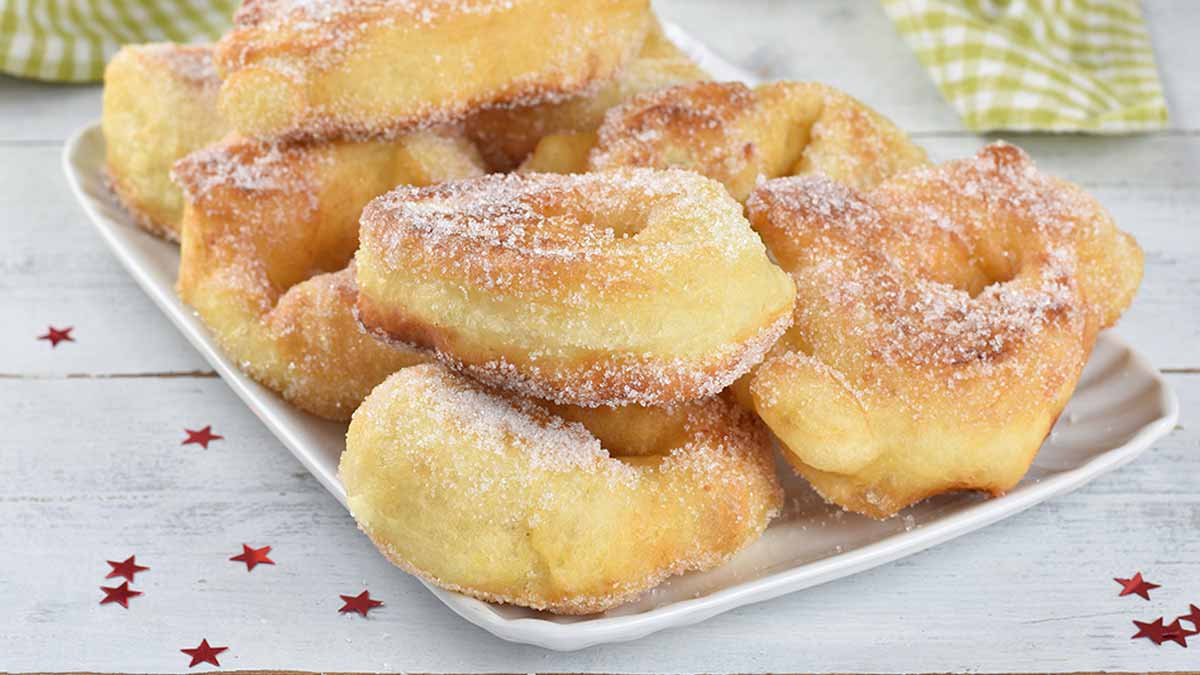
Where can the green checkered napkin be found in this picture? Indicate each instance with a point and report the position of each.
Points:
(71, 40)
(1038, 65)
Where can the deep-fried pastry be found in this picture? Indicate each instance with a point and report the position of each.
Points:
(738, 135)
(589, 289)
(362, 68)
(160, 103)
(507, 136)
(572, 511)
(267, 227)
(942, 322)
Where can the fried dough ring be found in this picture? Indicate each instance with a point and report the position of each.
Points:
(362, 68)
(507, 136)
(738, 135)
(160, 103)
(263, 223)
(942, 322)
(590, 289)
(502, 499)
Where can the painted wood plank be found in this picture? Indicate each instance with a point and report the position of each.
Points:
(848, 43)
(54, 269)
(93, 470)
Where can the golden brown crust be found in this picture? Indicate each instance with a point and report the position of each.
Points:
(942, 322)
(160, 103)
(603, 378)
(268, 232)
(365, 68)
(507, 136)
(739, 136)
(594, 289)
(562, 509)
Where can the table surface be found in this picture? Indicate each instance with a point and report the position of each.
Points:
(92, 468)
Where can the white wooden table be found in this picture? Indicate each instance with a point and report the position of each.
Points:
(91, 466)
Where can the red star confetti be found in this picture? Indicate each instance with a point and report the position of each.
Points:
(1152, 631)
(254, 556)
(203, 437)
(1175, 633)
(126, 568)
(119, 594)
(361, 603)
(204, 653)
(1193, 615)
(1136, 586)
(57, 335)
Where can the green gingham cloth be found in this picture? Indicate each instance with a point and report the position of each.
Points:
(1038, 65)
(71, 40)
(1028, 65)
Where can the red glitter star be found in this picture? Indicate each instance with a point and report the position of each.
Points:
(204, 653)
(119, 594)
(361, 603)
(1153, 631)
(1175, 633)
(254, 556)
(1193, 615)
(57, 335)
(126, 568)
(203, 437)
(1136, 585)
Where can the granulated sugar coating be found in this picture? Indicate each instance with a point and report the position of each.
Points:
(741, 136)
(635, 286)
(160, 103)
(192, 62)
(366, 68)
(511, 135)
(563, 509)
(270, 229)
(942, 321)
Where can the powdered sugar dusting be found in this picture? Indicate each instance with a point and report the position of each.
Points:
(620, 380)
(875, 265)
(191, 62)
(248, 165)
(304, 43)
(588, 257)
(713, 478)
(740, 136)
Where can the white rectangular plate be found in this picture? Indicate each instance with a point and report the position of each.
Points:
(1122, 405)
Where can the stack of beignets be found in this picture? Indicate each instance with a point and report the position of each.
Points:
(562, 381)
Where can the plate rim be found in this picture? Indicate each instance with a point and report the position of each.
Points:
(586, 633)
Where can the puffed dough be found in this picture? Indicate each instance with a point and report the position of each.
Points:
(160, 103)
(942, 322)
(507, 136)
(365, 68)
(739, 136)
(567, 510)
(269, 228)
(634, 286)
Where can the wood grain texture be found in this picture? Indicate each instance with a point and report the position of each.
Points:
(91, 467)
(1034, 592)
